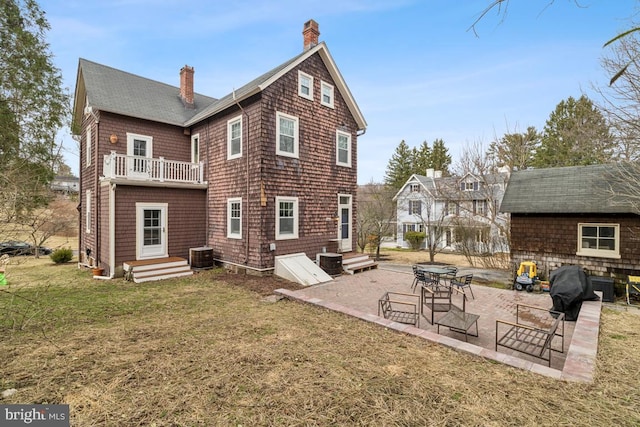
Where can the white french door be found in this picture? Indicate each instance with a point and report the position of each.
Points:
(151, 230)
(344, 222)
(139, 152)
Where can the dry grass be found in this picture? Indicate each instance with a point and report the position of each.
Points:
(203, 351)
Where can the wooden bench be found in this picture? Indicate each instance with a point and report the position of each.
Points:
(527, 338)
(400, 307)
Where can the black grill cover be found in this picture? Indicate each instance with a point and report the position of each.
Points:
(570, 286)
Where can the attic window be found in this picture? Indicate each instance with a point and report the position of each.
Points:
(326, 94)
(469, 186)
(305, 85)
(415, 188)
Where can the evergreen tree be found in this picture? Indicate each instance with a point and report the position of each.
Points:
(33, 107)
(440, 158)
(400, 166)
(576, 133)
(421, 159)
(515, 150)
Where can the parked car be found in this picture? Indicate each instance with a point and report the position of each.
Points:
(14, 247)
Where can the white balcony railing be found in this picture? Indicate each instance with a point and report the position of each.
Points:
(147, 169)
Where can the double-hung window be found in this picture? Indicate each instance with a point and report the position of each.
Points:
(287, 135)
(343, 149)
(326, 94)
(88, 147)
(234, 138)
(234, 218)
(305, 85)
(599, 240)
(195, 148)
(415, 207)
(414, 188)
(286, 218)
(87, 210)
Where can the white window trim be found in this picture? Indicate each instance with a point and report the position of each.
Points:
(301, 75)
(147, 138)
(87, 217)
(195, 146)
(296, 141)
(338, 162)
(230, 123)
(296, 216)
(615, 254)
(324, 85)
(230, 234)
(88, 147)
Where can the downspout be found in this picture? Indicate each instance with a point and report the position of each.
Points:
(247, 222)
(112, 234)
(206, 197)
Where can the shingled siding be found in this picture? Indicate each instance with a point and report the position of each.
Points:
(186, 214)
(314, 177)
(553, 241)
(169, 141)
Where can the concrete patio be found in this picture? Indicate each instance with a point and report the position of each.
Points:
(357, 295)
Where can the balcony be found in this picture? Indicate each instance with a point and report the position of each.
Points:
(144, 169)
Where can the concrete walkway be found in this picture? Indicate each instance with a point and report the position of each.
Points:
(357, 295)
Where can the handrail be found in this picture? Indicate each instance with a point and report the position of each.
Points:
(151, 169)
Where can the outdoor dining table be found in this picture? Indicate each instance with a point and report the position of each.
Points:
(437, 271)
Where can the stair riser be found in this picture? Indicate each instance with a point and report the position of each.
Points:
(153, 267)
(162, 277)
(160, 271)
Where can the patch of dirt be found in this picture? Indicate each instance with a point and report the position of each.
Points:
(262, 285)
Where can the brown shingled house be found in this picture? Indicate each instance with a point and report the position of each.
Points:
(267, 170)
(575, 215)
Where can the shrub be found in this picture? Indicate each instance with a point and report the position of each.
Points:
(62, 255)
(415, 239)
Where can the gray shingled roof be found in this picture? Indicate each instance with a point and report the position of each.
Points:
(242, 92)
(571, 190)
(124, 93)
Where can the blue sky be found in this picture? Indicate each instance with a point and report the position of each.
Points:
(413, 66)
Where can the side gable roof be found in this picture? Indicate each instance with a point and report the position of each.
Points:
(261, 83)
(569, 190)
(115, 91)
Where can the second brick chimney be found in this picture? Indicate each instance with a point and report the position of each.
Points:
(186, 86)
(310, 34)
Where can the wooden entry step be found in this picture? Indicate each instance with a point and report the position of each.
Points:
(156, 269)
(357, 263)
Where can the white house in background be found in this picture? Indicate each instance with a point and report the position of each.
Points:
(471, 203)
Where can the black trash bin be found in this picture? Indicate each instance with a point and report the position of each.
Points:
(605, 285)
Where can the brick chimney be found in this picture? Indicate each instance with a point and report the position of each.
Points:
(186, 86)
(310, 34)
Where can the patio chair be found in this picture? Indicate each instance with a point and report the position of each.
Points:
(419, 277)
(463, 282)
(436, 299)
(452, 271)
(400, 307)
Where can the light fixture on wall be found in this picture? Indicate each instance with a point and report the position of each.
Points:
(113, 138)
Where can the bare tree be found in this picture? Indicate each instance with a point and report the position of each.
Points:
(376, 215)
(481, 231)
(620, 101)
(428, 208)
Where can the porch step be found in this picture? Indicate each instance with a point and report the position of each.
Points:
(357, 264)
(156, 269)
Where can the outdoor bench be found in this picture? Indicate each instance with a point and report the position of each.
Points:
(534, 340)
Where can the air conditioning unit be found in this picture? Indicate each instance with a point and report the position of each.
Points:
(201, 258)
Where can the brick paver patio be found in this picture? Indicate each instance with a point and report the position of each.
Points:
(357, 295)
